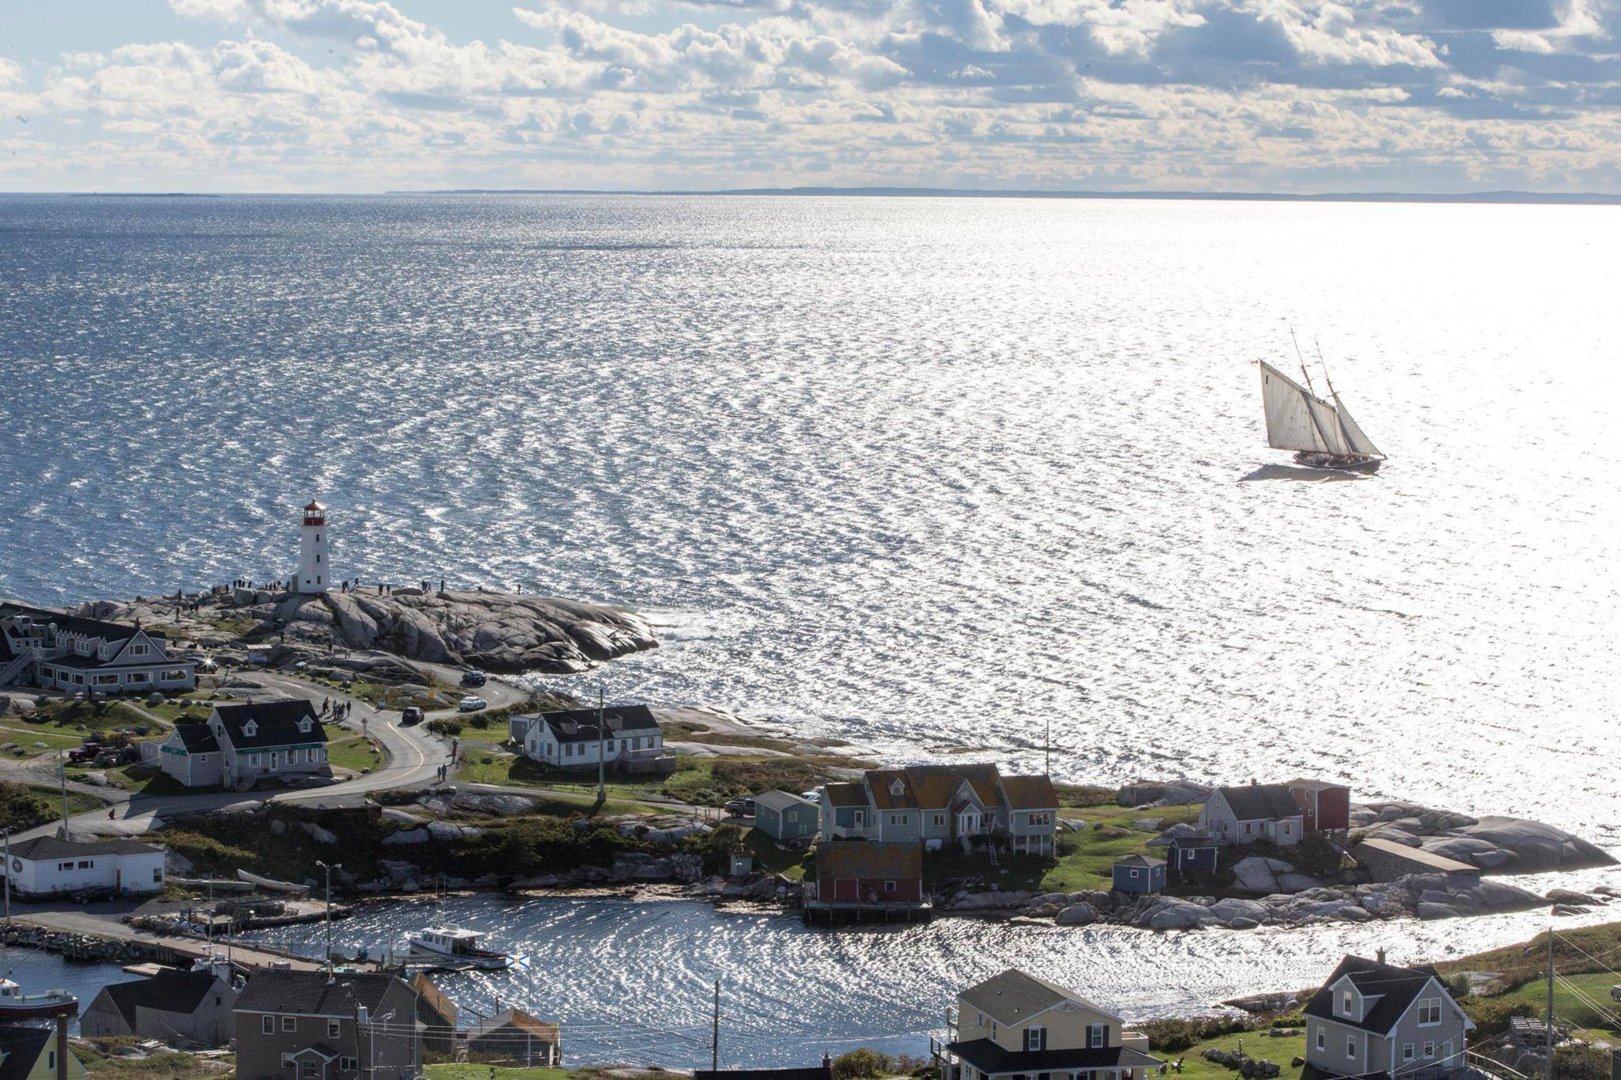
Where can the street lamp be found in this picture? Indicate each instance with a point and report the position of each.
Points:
(371, 1057)
(328, 869)
(7, 835)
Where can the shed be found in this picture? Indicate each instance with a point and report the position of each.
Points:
(860, 872)
(514, 1035)
(782, 816)
(1386, 860)
(1139, 874)
(190, 1006)
(1192, 854)
(1324, 805)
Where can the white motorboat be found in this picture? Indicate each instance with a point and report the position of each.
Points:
(457, 946)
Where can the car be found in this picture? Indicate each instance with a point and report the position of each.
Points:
(740, 808)
(811, 796)
(410, 715)
(474, 677)
(472, 704)
(87, 752)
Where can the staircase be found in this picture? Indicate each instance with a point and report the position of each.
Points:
(16, 667)
(996, 860)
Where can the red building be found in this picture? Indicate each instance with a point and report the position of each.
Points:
(859, 878)
(1324, 806)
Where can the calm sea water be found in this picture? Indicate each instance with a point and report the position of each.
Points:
(922, 473)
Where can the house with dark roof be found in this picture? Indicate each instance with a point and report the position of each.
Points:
(513, 1035)
(193, 756)
(1138, 875)
(46, 866)
(1015, 1024)
(1195, 854)
(783, 815)
(256, 741)
(944, 804)
(625, 737)
(1253, 812)
(185, 1008)
(860, 878)
(29, 1053)
(1377, 1021)
(301, 1025)
(66, 652)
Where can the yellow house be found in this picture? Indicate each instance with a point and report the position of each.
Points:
(29, 1053)
(1015, 1026)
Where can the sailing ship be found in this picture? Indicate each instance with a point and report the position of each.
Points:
(1321, 433)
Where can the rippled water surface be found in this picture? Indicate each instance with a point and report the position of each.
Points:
(922, 473)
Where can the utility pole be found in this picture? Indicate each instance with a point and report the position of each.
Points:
(1048, 746)
(64, 772)
(8, 879)
(1548, 1068)
(328, 870)
(714, 1038)
(602, 765)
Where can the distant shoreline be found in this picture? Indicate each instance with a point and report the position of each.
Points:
(1500, 198)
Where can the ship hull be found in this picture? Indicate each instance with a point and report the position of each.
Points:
(39, 1009)
(483, 960)
(1339, 462)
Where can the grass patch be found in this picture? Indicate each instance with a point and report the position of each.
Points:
(1572, 952)
(29, 741)
(1086, 858)
(1257, 1044)
(714, 781)
(1582, 1001)
(770, 855)
(102, 1063)
(347, 750)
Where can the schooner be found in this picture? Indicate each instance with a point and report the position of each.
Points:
(1321, 433)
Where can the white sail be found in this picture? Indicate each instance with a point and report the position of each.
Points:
(1289, 421)
(1360, 443)
(1328, 425)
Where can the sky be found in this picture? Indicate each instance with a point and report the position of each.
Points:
(1292, 96)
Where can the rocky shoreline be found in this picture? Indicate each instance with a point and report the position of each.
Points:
(506, 633)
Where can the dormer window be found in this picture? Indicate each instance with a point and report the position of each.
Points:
(896, 787)
(304, 725)
(1345, 1003)
(250, 729)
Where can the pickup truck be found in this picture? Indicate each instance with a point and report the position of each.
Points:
(87, 752)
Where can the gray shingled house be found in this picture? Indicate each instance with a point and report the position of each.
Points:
(1253, 812)
(303, 1025)
(185, 1007)
(1375, 1020)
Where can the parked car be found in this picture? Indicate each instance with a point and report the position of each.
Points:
(472, 704)
(740, 808)
(87, 752)
(410, 715)
(474, 677)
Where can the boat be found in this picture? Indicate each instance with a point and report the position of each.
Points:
(1321, 433)
(16, 1005)
(457, 946)
(272, 884)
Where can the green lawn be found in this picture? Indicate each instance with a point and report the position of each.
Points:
(1257, 1044)
(143, 779)
(349, 750)
(1087, 857)
(770, 855)
(1596, 1016)
(32, 740)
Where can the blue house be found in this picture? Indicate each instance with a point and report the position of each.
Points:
(1139, 874)
(1192, 854)
(782, 816)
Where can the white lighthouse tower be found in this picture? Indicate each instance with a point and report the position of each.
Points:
(314, 563)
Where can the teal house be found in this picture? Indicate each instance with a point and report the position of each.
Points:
(1139, 874)
(782, 816)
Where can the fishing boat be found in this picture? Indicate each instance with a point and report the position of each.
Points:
(457, 946)
(16, 1005)
(1321, 433)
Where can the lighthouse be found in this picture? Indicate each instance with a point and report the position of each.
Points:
(314, 564)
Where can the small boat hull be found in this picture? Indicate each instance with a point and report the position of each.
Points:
(482, 961)
(1340, 462)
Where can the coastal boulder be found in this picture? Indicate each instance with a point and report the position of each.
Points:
(1231, 908)
(1082, 914)
(1169, 913)
(1259, 875)
(1536, 848)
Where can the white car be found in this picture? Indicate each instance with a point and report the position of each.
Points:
(811, 796)
(472, 704)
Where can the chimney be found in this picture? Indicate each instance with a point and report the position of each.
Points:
(1253, 782)
(827, 1062)
(1380, 955)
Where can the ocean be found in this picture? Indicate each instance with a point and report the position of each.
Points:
(926, 474)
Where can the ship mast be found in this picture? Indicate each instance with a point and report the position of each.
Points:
(1312, 390)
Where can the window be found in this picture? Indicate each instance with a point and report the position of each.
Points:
(64, 866)
(899, 819)
(289, 1023)
(50, 1060)
(1429, 1011)
(1345, 1003)
(157, 875)
(348, 1064)
(1041, 819)
(939, 820)
(250, 729)
(1097, 1036)
(138, 650)
(1429, 1049)
(86, 864)
(1407, 1051)
(1134, 875)
(993, 1029)
(317, 556)
(333, 1028)
(889, 886)
(1350, 1046)
(1247, 827)
(306, 1067)
(267, 1025)
(304, 725)
(1035, 1038)
(1322, 1039)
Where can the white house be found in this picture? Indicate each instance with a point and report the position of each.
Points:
(47, 866)
(245, 743)
(1244, 815)
(65, 652)
(628, 736)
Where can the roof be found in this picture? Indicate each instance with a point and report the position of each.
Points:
(197, 738)
(169, 991)
(1300, 784)
(779, 800)
(934, 785)
(580, 725)
(1199, 840)
(50, 847)
(314, 506)
(988, 1057)
(1260, 802)
(21, 1047)
(434, 998)
(1417, 856)
(1014, 996)
(843, 795)
(1030, 792)
(73, 624)
(275, 723)
(1392, 990)
(861, 859)
(515, 1019)
(1138, 860)
(819, 1072)
(883, 785)
(308, 993)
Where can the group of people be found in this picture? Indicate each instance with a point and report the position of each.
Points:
(339, 710)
